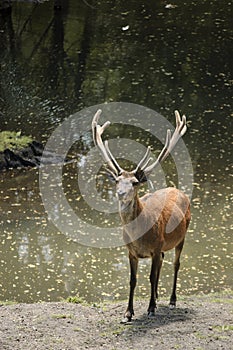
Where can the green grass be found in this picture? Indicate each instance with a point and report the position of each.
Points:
(62, 316)
(221, 300)
(76, 300)
(7, 302)
(224, 297)
(224, 328)
(80, 300)
(13, 140)
(114, 331)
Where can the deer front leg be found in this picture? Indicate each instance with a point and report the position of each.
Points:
(178, 251)
(154, 276)
(133, 281)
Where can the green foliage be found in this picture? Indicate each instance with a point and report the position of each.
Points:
(13, 140)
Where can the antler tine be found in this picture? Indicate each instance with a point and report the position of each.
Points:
(164, 153)
(113, 159)
(143, 161)
(146, 164)
(180, 130)
(171, 141)
(97, 131)
(181, 127)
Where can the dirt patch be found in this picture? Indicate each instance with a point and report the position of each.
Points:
(197, 323)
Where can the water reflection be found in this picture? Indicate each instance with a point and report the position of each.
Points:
(52, 65)
(40, 263)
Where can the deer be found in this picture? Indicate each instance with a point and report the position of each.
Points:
(154, 223)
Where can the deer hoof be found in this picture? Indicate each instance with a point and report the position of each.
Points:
(151, 314)
(126, 319)
(128, 316)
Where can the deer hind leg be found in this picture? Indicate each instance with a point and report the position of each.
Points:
(158, 274)
(133, 281)
(154, 276)
(178, 251)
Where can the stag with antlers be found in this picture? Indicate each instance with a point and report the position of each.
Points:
(153, 223)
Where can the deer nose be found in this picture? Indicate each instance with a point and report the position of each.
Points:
(120, 194)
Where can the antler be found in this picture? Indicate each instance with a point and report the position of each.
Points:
(143, 169)
(97, 131)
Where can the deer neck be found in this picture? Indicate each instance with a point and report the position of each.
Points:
(130, 211)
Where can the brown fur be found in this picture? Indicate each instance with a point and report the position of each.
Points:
(166, 214)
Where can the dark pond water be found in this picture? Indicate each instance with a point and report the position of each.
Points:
(54, 64)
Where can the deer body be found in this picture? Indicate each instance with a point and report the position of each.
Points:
(144, 246)
(152, 224)
(155, 241)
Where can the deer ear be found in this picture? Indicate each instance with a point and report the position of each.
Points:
(144, 179)
(141, 176)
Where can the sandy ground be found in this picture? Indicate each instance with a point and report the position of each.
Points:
(200, 322)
